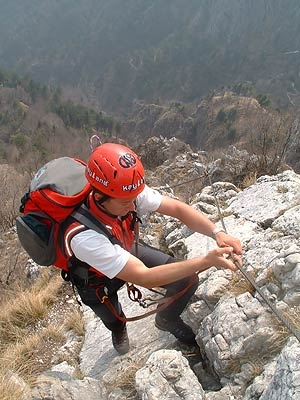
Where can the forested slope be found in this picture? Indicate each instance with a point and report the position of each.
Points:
(155, 50)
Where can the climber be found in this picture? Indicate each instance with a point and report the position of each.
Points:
(119, 198)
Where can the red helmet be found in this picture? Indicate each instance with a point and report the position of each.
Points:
(116, 171)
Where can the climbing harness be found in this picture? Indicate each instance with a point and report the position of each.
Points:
(135, 295)
(277, 313)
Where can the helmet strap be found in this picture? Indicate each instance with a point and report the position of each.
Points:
(102, 200)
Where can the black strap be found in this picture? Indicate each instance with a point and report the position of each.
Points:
(84, 216)
(24, 201)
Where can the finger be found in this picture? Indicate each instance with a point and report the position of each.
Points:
(235, 243)
(236, 258)
(231, 265)
(226, 259)
(226, 250)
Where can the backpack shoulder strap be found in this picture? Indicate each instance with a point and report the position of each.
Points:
(83, 215)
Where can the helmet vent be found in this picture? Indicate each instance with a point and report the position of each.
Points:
(133, 175)
(100, 169)
(141, 176)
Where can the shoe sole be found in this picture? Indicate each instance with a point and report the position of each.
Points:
(161, 328)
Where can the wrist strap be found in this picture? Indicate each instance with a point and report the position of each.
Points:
(216, 231)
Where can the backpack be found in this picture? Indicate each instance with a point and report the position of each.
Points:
(57, 192)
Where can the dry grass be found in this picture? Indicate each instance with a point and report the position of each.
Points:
(249, 180)
(30, 333)
(12, 261)
(11, 387)
(75, 323)
(126, 381)
(239, 284)
(255, 365)
(49, 280)
(282, 189)
(292, 317)
(28, 307)
(22, 357)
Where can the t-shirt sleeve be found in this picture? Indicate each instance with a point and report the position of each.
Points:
(148, 201)
(96, 250)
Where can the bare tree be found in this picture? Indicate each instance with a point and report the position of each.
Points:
(271, 137)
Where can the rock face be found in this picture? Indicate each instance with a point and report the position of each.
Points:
(167, 375)
(283, 377)
(245, 351)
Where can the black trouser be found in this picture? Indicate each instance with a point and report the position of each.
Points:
(151, 257)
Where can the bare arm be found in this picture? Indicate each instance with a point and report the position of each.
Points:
(136, 272)
(197, 221)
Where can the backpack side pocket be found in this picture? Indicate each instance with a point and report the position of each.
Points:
(37, 238)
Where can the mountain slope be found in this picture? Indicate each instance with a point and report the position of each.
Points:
(154, 49)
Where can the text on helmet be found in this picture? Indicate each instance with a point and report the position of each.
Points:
(133, 186)
(96, 177)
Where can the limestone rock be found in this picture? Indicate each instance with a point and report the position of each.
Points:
(167, 376)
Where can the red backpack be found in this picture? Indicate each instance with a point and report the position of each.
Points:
(57, 191)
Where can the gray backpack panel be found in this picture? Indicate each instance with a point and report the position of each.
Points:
(63, 175)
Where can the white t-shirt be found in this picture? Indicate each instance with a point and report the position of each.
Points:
(97, 250)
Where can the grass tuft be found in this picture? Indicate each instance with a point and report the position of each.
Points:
(27, 337)
(125, 381)
(75, 323)
(292, 316)
(12, 387)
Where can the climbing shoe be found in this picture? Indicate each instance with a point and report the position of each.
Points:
(178, 328)
(120, 340)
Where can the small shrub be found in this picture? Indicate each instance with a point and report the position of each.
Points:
(231, 114)
(249, 180)
(221, 116)
(263, 100)
(231, 135)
